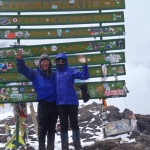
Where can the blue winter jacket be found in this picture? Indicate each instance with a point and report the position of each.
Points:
(65, 92)
(44, 86)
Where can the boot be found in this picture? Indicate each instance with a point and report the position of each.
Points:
(64, 141)
(77, 145)
(42, 147)
(76, 140)
(50, 141)
(41, 139)
(64, 145)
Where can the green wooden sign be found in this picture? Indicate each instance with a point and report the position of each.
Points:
(7, 65)
(22, 93)
(59, 5)
(61, 33)
(112, 70)
(95, 71)
(69, 48)
(61, 19)
(107, 89)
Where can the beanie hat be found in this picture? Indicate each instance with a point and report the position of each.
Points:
(44, 57)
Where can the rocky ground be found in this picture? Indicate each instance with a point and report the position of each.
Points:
(90, 119)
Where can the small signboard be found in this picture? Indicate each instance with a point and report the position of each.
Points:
(61, 33)
(95, 71)
(59, 5)
(69, 48)
(61, 19)
(7, 65)
(109, 89)
(117, 127)
(26, 93)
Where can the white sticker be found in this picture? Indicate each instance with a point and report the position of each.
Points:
(15, 92)
(54, 48)
(54, 7)
(33, 90)
(72, 1)
(18, 96)
(114, 58)
(59, 32)
(1, 2)
(15, 20)
(14, 89)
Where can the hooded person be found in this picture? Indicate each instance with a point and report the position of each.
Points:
(66, 98)
(46, 71)
(43, 81)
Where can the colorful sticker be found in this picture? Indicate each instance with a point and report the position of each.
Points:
(3, 67)
(4, 95)
(4, 21)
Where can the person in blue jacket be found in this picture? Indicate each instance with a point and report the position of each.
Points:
(67, 101)
(43, 80)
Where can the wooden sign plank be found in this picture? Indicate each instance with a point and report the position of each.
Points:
(95, 71)
(7, 65)
(61, 33)
(69, 48)
(59, 5)
(109, 89)
(9, 20)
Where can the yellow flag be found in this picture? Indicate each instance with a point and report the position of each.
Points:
(12, 142)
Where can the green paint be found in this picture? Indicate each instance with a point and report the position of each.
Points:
(8, 65)
(59, 5)
(61, 19)
(95, 71)
(13, 94)
(69, 48)
(62, 33)
(105, 89)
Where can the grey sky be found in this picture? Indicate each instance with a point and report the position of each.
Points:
(137, 25)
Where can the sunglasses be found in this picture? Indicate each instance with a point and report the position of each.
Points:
(60, 61)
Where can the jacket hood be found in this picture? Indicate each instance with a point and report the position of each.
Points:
(62, 56)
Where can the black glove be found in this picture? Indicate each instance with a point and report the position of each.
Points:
(85, 94)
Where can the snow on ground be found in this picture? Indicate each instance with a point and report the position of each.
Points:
(98, 136)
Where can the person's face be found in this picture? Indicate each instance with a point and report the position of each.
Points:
(45, 64)
(60, 61)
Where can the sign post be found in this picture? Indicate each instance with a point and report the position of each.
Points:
(59, 5)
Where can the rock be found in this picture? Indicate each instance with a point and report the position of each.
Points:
(126, 113)
(113, 114)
